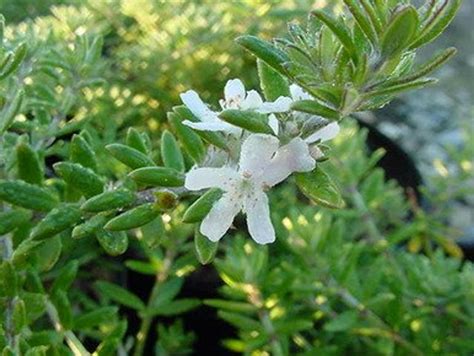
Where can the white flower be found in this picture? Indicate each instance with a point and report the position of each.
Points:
(262, 165)
(298, 93)
(235, 97)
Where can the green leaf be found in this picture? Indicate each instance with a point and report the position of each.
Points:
(56, 221)
(141, 267)
(66, 277)
(176, 307)
(201, 207)
(342, 322)
(30, 169)
(239, 321)
(215, 138)
(272, 83)
(362, 19)
(47, 253)
(237, 307)
(8, 279)
(109, 200)
(120, 295)
(8, 113)
(399, 88)
(437, 23)
(35, 305)
(63, 307)
(265, 51)
(19, 315)
(248, 120)
(102, 315)
(340, 30)
(167, 292)
(14, 63)
(26, 195)
(153, 232)
(204, 248)
(190, 140)
(135, 140)
(400, 31)
(158, 177)
(129, 156)
(171, 153)
(131, 219)
(290, 327)
(12, 219)
(318, 187)
(89, 227)
(79, 177)
(114, 243)
(315, 108)
(81, 152)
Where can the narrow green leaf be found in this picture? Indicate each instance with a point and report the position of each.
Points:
(30, 169)
(248, 120)
(114, 243)
(204, 248)
(81, 152)
(12, 219)
(134, 218)
(141, 267)
(102, 315)
(214, 138)
(342, 322)
(190, 140)
(158, 176)
(340, 31)
(315, 108)
(400, 31)
(237, 307)
(136, 141)
(265, 51)
(8, 279)
(273, 84)
(14, 63)
(399, 88)
(318, 186)
(7, 115)
(108, 201)
(129, 156)
(167, 292)
(80, 178)
(201, 207)
(171, 153)
(19, 315)
(437, 23)
(66, 277)
(89, 227)
(120, 295)
(57, 220)
(176, 307)
(362, 19)
(27, 195)
(63, 307)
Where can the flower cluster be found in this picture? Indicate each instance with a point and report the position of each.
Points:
(265, 160)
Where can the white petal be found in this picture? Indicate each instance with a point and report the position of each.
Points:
(221, 216)
(256, 153)
(194, 103)
(297, 93)
(202, 178)
(293, 157)
(253, 100)
(234, 91)
(274, 123)
(327, 133)
(259, 223)
(217, 125)
(282, 104)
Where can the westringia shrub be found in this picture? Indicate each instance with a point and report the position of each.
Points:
(316, 264)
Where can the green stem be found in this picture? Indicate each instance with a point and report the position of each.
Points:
(145, 325)
(71, 339)
(369, 222)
